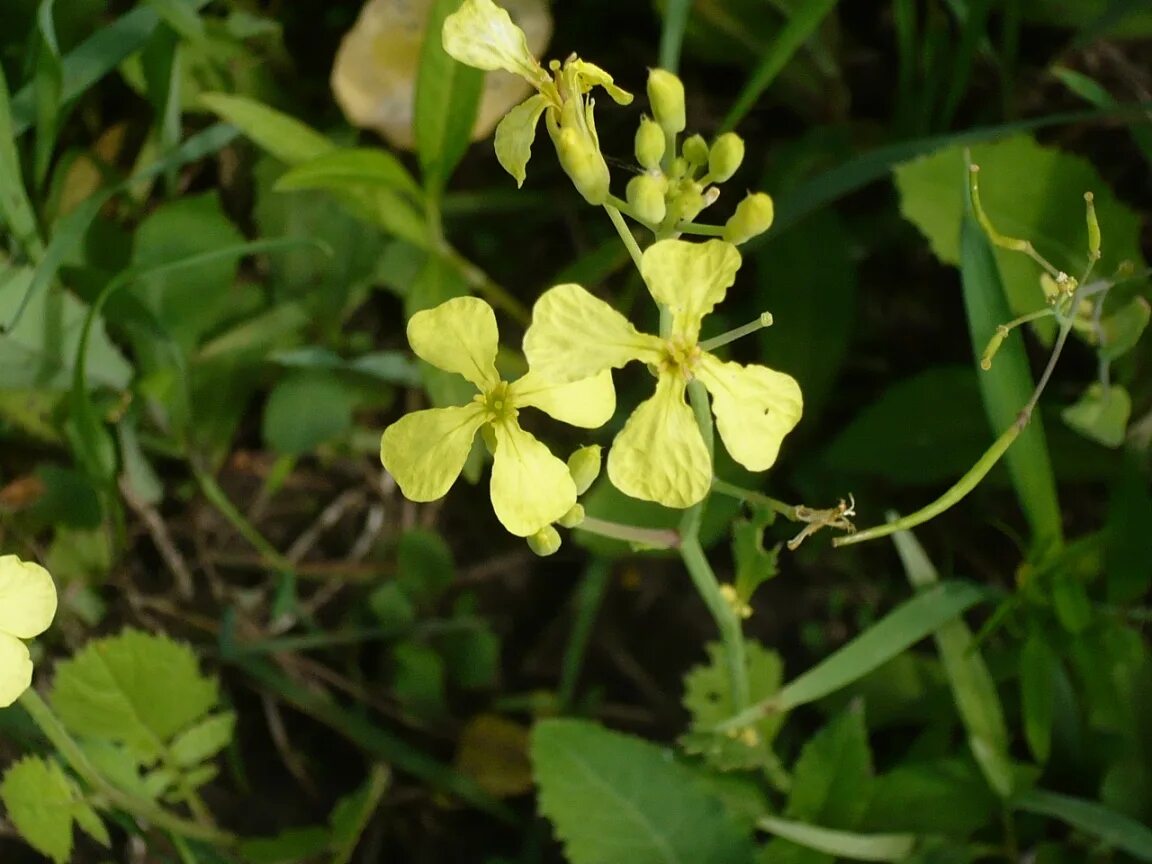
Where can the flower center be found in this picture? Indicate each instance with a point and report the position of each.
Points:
(680, 356)
(498, 403)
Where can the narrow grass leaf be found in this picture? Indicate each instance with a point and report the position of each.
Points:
(447, 100)
(49, 84)
(676, 14)
(337, 169)
(842, 844)
(15, 207)
(1115, 829)
(283, 136)
(181, 17)
(806, 17)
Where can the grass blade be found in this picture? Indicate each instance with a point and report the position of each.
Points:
(49, 83)
(283, 136)
(1113, 828)
(842, 844)
(15, 207)
(672, 33)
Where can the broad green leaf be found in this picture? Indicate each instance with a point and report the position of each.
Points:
(1112, 828)
(43, 803)
(307, 408)
(1129, 526)
(204, 740)
(973, 688)
(944, 796)
(613, 797)
(828, 843)
(1101, 414)
(134, 688)
(447, 101)
(337, 169)
(754, 564)
(471, 653)
(418, 680)
(424, 567)
(1123, 328)
(1028, 191)
(283, 136)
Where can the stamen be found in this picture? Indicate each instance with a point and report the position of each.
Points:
(765, 320)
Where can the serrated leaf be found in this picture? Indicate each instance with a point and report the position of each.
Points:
(708, 698)
(1101, 414)
(613, 798)
(135, 688)
(43, 803)
(754, 564)
(204, 740)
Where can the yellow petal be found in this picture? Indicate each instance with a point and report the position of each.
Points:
(531, 488)
(459, 336)
(588, 75)
(587, 403)
(690, 279)
(755, 408)
(574, 335)
(481, 34)
(515, 134)
(426, 450)
(15, 669)
(660, 455)
(27, 598)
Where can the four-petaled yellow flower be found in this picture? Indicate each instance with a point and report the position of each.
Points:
(426, 450)
(481, 34)
(660, 454)
(27, 607)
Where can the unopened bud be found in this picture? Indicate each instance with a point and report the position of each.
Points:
(687, 205)
(544, 542)
(666, 93)
(725, 157)
(650, 143)
(584, 466)
(573, 517)
(695, 150)
(583, 162)
(646, 195)
(753, 216)
(993, 346)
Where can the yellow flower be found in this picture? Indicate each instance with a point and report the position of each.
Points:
(481, 34)
(426, 450)
(27, 607)
(660, 454)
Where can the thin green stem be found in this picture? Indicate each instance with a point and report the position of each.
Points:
(43, 716)
(653, 538)
(788, 511)
(216, 496)
(588, 598)
(625, 233)
(700, 229)
(765, 320)
(482, 284)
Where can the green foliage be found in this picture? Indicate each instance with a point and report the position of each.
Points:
(44, 805)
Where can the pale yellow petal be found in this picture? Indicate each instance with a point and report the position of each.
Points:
(660, 455)
(481, 34)
(27, 598)
(15, 669)
(587, 403)
(574, 335)
(690, 279)
(459, 336)
(531, 488)
(515, 134)
(588, 75)
(755, 408)
(426, 450)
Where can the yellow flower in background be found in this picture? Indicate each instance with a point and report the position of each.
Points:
(426, 450)
(660, 454)
(374, 76)
(27, 607)
(481, 34)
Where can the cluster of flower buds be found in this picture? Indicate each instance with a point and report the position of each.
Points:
(673, 188)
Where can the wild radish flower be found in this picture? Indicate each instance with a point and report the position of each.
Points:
(660, 454)
(481, 34)
(27, 607)
(426, 450)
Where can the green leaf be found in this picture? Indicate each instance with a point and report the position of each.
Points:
(283, 136)
(830, 843)
(945, 796)
(612, 797)
(181, 17)
(134, 688)
(754, 565)
(1101, 414)
(424, 566)
(293, 846)
(349, 818)
(1128, 528)
(49, 82)
(1037, 695)
(1122, 329)
(373, 168)
(447, 101)
(708, 698)
(307, 408)
(204, 740)
(1112, 828)
(43, 803)
(418, 680)
(15, 207)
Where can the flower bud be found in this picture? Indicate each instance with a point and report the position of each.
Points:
(753, 216)
(544, 542)
(646, 195)
(695, 150)
(650, 144)
(584, 466)
(725, 157)
(573, 517)
(666, 93)
(584, 164)
(687, 204)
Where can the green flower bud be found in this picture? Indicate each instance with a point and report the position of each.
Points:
(725, 157)
(666, 93)
(584, 164)
(753, 216)
(650, 144)
(687, 205)
(584, 466)
(679, 168)
(544, 542)
(573, 517)
(695, 150)
(646, 195)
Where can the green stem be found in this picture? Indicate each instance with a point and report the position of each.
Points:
(788, 511)
(588, 599)
(216, 496)
(625, 233)
(700, 229)
(655, 538)
(146, 811)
